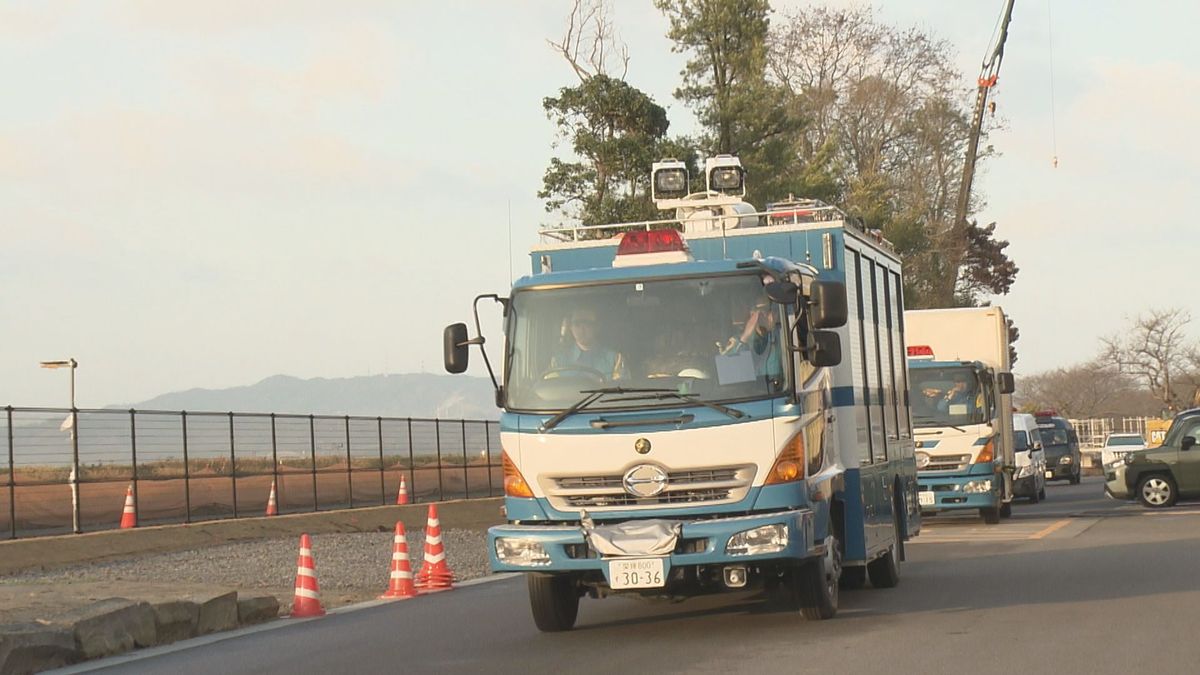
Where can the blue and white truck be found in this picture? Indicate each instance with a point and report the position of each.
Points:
(962, 409)
(711, 402)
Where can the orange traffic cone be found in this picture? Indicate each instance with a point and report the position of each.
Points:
(129, 515)
(272, 508)
(402, 495)
(307, 600)
(400, 581)
(435, 574)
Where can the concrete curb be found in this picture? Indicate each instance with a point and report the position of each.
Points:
(121, 659)
(116, 625)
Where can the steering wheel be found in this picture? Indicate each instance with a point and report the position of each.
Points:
(554, 373)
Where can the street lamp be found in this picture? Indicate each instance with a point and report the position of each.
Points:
(73, 479)
(69, 363)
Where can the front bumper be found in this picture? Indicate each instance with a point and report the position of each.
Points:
(1115, 485)
(1061, 471)
(702, 543)
(948, 493)
(1025, 487)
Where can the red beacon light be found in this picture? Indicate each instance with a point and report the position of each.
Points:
(1046, 413)
(650, 247)
(920, 351)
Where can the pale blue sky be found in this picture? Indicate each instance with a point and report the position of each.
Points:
(206, 194)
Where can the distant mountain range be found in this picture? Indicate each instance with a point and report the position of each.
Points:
(412, 395)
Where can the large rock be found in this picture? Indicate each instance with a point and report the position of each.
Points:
(112, 626)
(218, 612)
(31, 647)
(257, 609)
(176, 620)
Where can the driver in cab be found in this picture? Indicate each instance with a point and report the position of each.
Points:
(582, 352)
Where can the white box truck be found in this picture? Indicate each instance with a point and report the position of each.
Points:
(961, 388)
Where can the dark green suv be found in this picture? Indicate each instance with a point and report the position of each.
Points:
(1157, 477)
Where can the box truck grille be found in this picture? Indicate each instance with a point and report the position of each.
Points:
(688, 486)
(948, 463)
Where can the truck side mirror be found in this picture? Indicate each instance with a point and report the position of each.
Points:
(1187, 443)
(782, 292)
(455, 347)
(827, 300)
(824, 348)
(1007, 385)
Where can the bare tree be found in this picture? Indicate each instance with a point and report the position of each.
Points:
(1092, 389)
(590, 41)
(1155, 350)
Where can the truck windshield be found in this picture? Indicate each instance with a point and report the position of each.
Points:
(715, 338)
(1125, 440)
(949, 396)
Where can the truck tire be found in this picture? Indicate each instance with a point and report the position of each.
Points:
(991, 515)
(554, 600)
(1042, 493)
(1006, 509)
(814, 583)
(1157, 491)
(1075, 477)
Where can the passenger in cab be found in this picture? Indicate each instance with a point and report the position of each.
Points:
(582, 350)
(761, 337)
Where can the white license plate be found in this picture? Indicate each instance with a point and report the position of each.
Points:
(639, 573)
(1049, 474)
(926, 499)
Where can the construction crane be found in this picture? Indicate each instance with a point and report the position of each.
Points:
(988, 76)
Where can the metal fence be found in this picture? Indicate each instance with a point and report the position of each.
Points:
(1093, 431)
(69, 470)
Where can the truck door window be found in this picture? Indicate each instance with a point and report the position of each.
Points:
(875, 386)
(899, 358)
(887, 352)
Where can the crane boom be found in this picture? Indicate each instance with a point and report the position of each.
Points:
(988, 76)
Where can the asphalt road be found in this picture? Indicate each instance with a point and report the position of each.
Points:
(1077, 584)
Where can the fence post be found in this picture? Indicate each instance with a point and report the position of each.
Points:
(275, 464)
(437, 438)
(382, 487)
(12, 477)
(75, 509)
(133, 458)
(187, 480)
(466, 476)
(232, 465)
(487, 445)
(312, 453)
(412, 475)
(349, 466)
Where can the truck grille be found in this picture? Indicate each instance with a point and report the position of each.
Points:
(683, 487)
(948, 463)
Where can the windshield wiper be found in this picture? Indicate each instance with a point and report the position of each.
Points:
(660, 394)
(593, 395)
(940, 423)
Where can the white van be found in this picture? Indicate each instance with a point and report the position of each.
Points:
(1030, 479)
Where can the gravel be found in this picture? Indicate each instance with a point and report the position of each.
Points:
(354, 562)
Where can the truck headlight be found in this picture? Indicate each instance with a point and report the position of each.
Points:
(765, 539)
(1065, 460)
(525, 552)
(978, 486)
(1025, 471)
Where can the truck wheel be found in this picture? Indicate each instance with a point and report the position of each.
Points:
(853, 578)
(554, 599)
(1006, 509)
(1157, 491)
(1042, 493)
(991, 515)
(1035, 496)
(815, 583)
(1075, 476)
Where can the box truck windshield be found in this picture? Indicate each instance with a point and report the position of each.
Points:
(949, 396)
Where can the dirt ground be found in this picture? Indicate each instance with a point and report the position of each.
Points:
(34, 601)
(46, 509)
